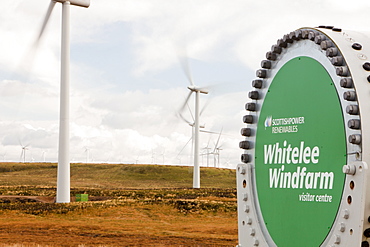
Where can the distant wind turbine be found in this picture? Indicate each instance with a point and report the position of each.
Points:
(23, 153)
(87, 151)
(197, 91)
(217, 154)
(162, 154)
(63, 177)
(216, 151)
(43, 155)
(207, 148)
(153, 157)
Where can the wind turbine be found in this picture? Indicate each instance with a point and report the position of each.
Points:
(182, 149)
(207, 148)
(23, 153)
(87, 151)
(162, 154)
(153, 157)
(197, 91)
(218, 156)
(63, 177)
(216, 151)
(43, 156)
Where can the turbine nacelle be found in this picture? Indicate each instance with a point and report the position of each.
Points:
(200, 126)
(198, 89)
(81, 3)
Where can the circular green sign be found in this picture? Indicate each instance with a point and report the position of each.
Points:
(299, 154)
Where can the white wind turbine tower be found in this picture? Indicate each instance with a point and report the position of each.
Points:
(63, 178)
(153, 156)
(43, 156)
(196, 90)
(23, 153)
(162, 154)
(87, 151)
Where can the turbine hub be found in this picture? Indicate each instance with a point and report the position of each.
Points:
(198, 89)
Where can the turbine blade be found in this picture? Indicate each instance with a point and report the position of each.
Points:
(186, 101)
(191, 113)
(186, 69)
(204, 107)
(183, 57)
(46, 20)
(184, 119)
(208, 143)
(184, 147)
(183, 106)
(218, 133)
(218, 140)
(26, 63)
(210, 132)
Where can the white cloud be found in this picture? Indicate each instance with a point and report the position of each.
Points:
(121, 124)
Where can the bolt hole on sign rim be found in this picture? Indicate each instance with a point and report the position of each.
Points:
(303, 176)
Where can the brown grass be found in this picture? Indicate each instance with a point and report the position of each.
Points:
(171, 216)
(119, 223)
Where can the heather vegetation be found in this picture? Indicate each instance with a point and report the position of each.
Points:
(129, 205)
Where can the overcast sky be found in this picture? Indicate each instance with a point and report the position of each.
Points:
(127, 83)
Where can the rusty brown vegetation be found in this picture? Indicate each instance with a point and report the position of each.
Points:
(129, 205)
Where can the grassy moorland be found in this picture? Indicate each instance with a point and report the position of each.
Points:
(130, 205)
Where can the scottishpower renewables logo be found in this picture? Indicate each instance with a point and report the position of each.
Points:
(284, 125)
(299, 153)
